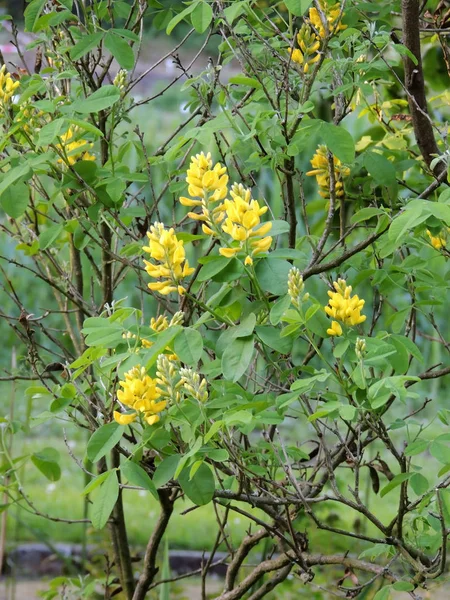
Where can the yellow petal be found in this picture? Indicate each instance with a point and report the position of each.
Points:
(123, 419)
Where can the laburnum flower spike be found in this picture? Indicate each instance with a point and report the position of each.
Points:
(140, 394)
(296, 288)
(208, 187)
(7, 85)
(343, 307)
(332, 15)
(170, 265)
(243, 224)
(321, 170)
(308, 51)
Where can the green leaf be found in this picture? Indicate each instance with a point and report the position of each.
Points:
(440, 451)
(120, 49)
(213, 430)
(32, 13)
(49, 132)
(237, 358)
(47, 462)
(136, 475)
(365, 214)
(243, 80)
(339, 142)
(199, 489)
(270, 336)
(341, 348)
(233, 11)
(95, 482)
(416, 447)
(201, 17)
(104, 333)
(15, 199)
(13, 175)
(180, 16)
(383, 594)
(163, 339)
(404, 51)
(101, 99)
(272, 274)
(298, 7)
(398, 480)
(347, 412)
(413, 215)
(103, 440)
(105, 501)
(279, 308)
(86, 44)
(166, 470)
(403, 586)
(189, 346)
(49, 235)
(419, 484)
(214, 266)
(380, 168)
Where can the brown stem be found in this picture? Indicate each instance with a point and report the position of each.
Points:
(150, 569)
(120, 532)
(415, 86)
(289, 166)
(247, 544)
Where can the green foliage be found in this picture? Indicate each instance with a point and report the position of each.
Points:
(220, 372)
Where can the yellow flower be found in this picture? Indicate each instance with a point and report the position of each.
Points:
(332, 15)
(243, 224)
(207, 186)
(343, 307)
(170, 265)
(7, 85)
(438, 241)
(335, 329)
(308, 52)
(321, 170)
(158, 325)
(72, 149)
(123, 418)
(139, 394)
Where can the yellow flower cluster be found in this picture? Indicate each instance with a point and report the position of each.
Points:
(343, 307)
(332, 15)
(7, 85)
(308, 51)
(243, 224)
(170, 258)
(321, 170)
(207, 186)
(438, 241)
(238, 217)
(139, 394)
(310, 37)
(74, 149)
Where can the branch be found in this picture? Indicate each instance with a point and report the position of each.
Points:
(415, 86)
(150, 569)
